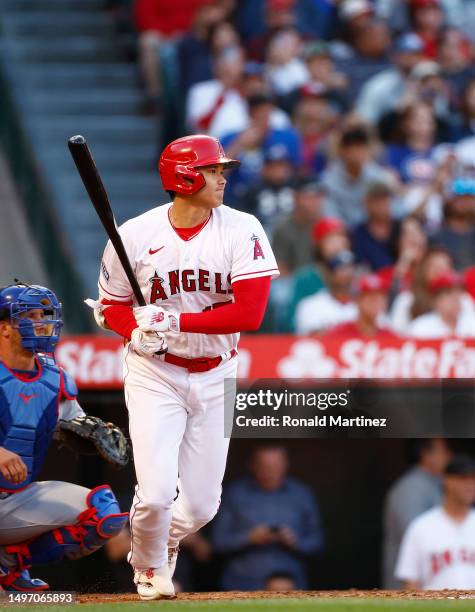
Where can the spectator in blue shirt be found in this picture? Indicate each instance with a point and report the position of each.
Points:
(267, 524)
(266, 130)
(374, 242)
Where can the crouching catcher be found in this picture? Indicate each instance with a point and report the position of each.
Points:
(42, 522)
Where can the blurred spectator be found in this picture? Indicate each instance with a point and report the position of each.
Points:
(329, 238)
(455, 59)
(346, 178)
(369, 54)
(412, 155)
(158, 22)
(353, 15)
(332, 305)
(374, 241)
(207, 37)
(447, 317)
(457, 233)
(372, 304)
(314, 118)
(292, 240)
(279, 14)
(437, 548)
(418, 300)
(216, 107)
(285, 71)
(322, 79)
(416, 491)
(411, 248)
(463, 126)
(382, 92)
(266, 130)
(427, 20)
(272, 197)
(268, 523)
(280, 582)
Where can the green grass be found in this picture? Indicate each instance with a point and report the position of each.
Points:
(271, 605)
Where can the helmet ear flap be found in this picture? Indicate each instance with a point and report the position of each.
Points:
(183, 175)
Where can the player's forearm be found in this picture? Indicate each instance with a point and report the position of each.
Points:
(121, 320)
(245, 314)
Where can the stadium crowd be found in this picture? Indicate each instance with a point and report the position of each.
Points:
(354, 122)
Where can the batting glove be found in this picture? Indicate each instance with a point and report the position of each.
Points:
(148, 343)
(155, 318)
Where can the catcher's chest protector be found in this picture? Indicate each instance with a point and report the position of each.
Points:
(28, 416)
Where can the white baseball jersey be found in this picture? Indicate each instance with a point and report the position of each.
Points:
(438, 552)
(189, 275)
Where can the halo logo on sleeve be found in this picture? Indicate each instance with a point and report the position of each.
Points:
(258, 252)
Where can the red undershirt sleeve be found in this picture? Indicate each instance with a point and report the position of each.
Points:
(244, 314)
(120, 318)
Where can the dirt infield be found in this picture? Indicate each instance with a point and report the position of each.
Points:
(233, 595)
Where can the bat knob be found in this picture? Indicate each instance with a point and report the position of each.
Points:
(77, 140)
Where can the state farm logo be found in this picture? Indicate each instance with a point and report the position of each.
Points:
(307, 359)
(362, 359)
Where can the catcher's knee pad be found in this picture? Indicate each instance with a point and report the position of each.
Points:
(101, 521)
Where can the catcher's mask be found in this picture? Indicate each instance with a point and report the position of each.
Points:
(39, 334)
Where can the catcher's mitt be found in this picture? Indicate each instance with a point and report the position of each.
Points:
(89, 435)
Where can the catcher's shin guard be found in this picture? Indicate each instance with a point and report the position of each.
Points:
(18, 578)
(101, 521)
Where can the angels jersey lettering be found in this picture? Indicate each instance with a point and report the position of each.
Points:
(189, 275)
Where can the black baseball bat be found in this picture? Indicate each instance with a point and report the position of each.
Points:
(92, 181)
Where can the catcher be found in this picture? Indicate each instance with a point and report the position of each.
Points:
(41, 522)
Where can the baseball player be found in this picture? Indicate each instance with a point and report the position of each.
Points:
(438, 548)
(40, 522)
(205, 272)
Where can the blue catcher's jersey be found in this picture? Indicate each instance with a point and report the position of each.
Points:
(29, 412)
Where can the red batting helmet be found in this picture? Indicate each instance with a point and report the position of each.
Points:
(180, 159)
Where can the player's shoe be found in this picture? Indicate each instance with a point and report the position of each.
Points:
(172, 558)
(20, 580)
(154, 583)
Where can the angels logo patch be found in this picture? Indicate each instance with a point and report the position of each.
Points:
(258, 252)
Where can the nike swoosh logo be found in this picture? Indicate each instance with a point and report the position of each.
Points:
(153, 251)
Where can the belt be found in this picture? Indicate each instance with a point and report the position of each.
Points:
(199, 364)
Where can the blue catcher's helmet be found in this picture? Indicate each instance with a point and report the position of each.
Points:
(37, 336)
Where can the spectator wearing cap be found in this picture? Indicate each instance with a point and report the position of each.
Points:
(217, 106)
(437, 550)
(381, 93)
(332, 305)
(417, 490)
(158, 22)
(372, 303)
(457, 233)
(330, 237)
(447, 318)
(374, 242)
(265, 132)
(292, 240)
(346, 177)
(208, 37)
(427, 19)
(352, 15)
(271, 199)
